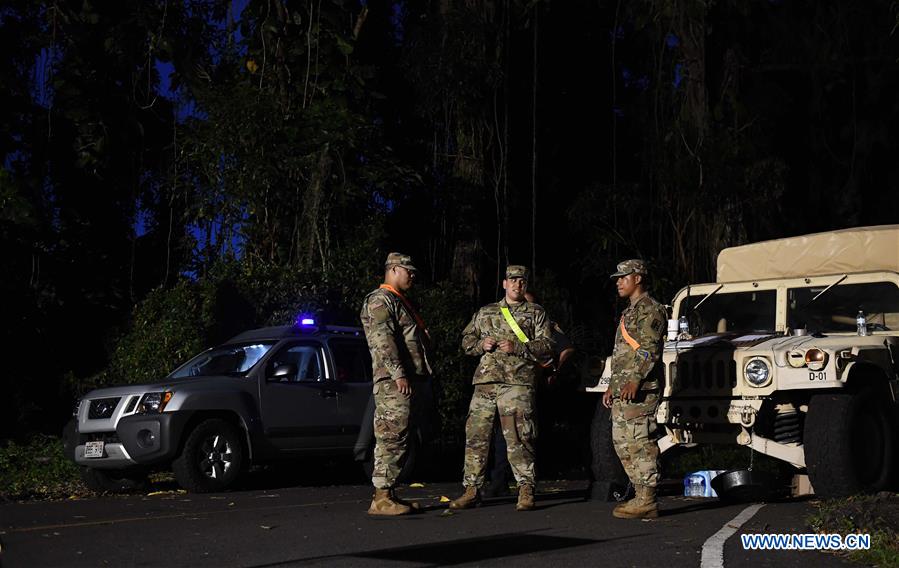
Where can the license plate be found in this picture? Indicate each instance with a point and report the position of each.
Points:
(93, 450)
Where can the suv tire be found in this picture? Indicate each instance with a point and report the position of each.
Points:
(610, 482)
(849, 443)
(113, 480)
(212, 457)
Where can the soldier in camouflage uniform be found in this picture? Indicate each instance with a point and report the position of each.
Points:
(397, 339)
(633, 393)
(504, 382)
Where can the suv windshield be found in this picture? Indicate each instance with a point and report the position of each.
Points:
(731, 312)
(234, 360)
(835, 309)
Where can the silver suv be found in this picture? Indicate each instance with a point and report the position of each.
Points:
(264, 395)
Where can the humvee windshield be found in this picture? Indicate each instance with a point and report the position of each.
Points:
(835, 310)
(731, 312)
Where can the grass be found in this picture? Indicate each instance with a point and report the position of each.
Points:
(876, 515)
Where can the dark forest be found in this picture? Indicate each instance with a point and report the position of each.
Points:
(175, 172)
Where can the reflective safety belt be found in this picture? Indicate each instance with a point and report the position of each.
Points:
(514, 325)
(627, 337)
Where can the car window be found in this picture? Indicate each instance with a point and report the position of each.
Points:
(224, 360)
(352, 361)
(305, 357)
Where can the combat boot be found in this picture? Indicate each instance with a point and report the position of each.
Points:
(382, 503)
(643, 506)
(414, 505)
(525, 498)
(471, 498)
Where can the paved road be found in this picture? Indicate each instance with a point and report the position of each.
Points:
(327, 526)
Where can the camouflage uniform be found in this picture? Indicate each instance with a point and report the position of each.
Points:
(398, 349)
(504, 383)
(634, 361)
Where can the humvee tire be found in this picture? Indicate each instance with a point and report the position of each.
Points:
(850, 443)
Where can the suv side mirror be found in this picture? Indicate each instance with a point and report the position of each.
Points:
(281, 371)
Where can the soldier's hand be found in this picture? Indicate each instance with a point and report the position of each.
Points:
(506, 346)
(489, 344)
(629, 391)
(607, 398)
(404, 386)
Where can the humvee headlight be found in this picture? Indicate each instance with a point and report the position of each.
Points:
(816, 359)
(757, 372)
(153, 402)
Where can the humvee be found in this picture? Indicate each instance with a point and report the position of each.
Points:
(794, 352)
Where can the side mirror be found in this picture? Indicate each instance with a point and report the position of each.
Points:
(282, 371)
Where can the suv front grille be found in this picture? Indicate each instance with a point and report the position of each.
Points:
(102, 408)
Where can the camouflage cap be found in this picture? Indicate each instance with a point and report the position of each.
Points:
(516, 271)
(399, 259)
(632, 266)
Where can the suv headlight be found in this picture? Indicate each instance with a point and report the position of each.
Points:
(153, 402)
(757, 372)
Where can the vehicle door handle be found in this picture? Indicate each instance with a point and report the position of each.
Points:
(327, 393)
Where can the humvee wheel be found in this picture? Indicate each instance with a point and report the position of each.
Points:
(849, 443)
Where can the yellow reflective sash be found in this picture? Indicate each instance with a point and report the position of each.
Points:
(514, 325)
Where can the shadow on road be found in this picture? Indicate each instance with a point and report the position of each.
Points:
(691, 507)
(465, 550)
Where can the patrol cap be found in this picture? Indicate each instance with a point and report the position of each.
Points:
(516, 271)
(399, 259)
(632, 266)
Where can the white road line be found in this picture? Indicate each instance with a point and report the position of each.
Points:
(713, 549)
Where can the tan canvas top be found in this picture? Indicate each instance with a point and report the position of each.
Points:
(836, 252)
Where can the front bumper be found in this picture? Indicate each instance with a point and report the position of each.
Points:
(138, 440)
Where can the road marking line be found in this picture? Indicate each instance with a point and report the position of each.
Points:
(174, 516)
(713, 549)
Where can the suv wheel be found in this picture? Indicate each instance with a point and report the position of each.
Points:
(212, 457)
(113, 480)
(849, 443)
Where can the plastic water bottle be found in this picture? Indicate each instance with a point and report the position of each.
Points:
(683, 327)
(861, 324)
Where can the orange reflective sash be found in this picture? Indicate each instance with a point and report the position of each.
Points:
(420, 322)
(627, 337)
